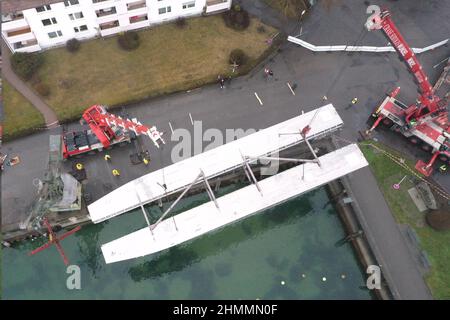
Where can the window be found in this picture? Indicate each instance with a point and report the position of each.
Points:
(164, 10)
(80, 28)
(48, 22)
(189, 5)
(43, 8)
(55, 34)
(76, 15)
(68, 3)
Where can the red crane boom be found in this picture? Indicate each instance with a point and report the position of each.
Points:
(428, 102)
(425, 122)
(100, 122)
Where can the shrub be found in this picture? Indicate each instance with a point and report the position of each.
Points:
(25, 65)
(129, 40)
(261, 29)
(181, 23)
(236, 19)
(238, 56)
(42, 89)
(73, 45)
(439, 219)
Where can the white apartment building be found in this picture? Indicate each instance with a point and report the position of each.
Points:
(51, 23)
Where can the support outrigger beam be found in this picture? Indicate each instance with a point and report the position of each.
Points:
(427, 168)
(152, 227)
(284, 159)
(250, 174)
(209, 190)
(144, 213)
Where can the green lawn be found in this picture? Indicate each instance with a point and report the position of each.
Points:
(168, 59)
(436, 244)
(20, 116)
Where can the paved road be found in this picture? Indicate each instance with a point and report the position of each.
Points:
(340, 76)
(49, 115)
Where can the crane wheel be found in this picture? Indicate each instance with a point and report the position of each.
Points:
(426, 147)
(444, 158)
(387, 122)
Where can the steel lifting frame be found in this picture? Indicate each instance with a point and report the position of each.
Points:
(201, 175)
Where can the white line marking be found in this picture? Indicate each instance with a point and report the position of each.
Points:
(170, 125)
(190, 117)
(290, 88)
(257, 97)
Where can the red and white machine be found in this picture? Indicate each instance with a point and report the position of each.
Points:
(425, 122)
(105, 131)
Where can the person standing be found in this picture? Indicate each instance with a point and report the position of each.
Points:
(221, 81)
(268, 73)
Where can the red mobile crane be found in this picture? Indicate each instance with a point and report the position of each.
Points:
(425, 122)
(105, 130)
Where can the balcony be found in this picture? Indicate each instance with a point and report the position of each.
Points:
(136, 5)
(14, 25)
(105, 12)
(217, 5)
(137, 19)
(18, 32)
(109, 25)
(24, 44)
(12, 17)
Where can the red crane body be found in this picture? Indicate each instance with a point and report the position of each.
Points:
(424, 122)
(106, 130)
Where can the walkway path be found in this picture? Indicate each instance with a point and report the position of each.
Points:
(50, 117)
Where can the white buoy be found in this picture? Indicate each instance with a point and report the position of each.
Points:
(303, 275)
(324, 279)
(343, 276)
(283, 283)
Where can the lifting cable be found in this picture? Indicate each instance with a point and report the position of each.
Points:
(359, 39)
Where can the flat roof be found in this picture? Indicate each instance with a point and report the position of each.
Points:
(10, 6)
(235, 206)
(214, 162)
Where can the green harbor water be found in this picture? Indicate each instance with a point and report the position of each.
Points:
(295, 243)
